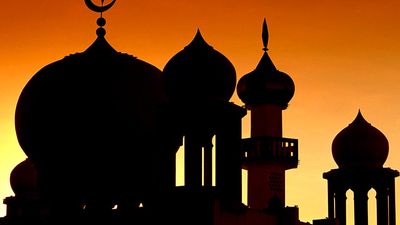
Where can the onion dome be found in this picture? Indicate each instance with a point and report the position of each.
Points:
(199, 73)
(24, 179)
(90, 119)
(266, 84)
(360, 145)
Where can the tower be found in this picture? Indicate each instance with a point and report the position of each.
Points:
(360, 150)
(266, 92)
(26, 206)
(199, 81)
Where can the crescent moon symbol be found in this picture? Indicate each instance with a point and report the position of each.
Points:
(98, 9)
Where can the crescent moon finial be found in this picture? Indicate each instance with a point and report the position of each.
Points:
(265, 35)
(101, 32)
(99, 9)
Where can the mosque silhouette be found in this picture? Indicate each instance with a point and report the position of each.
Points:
(101, 130)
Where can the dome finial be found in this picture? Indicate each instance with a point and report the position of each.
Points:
(198, 36)
(198, 41)
(99, 9)
(101, 22)
(360, 118)
(265, 35)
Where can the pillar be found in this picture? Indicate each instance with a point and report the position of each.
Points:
(382, 206)
(207, 151)
(392, 203)
(193, 166)
(331, 201)
(360, 207)
(340, 200)
(228, 161)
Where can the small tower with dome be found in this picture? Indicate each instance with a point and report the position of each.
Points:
(26, 206)
(199, 82)
(266, 92)
(360, 151)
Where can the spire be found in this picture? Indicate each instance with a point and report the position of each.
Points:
(266, 84)
(101, 22)
(198, 38)
(360, 119)
(265, 35)
(198, 41)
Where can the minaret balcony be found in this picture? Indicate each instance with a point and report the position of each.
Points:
(267, 150)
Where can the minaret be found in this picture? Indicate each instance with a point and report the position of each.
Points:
(266, 92)
(360, 150)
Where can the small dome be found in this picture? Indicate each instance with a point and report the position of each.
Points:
(199, 73)
(266, 84)
(24, 180)
(360, 145)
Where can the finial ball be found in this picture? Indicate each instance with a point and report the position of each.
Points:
(101, 22)
(101, 32)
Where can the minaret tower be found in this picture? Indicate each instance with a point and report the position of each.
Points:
(360, 150)
(266, 92)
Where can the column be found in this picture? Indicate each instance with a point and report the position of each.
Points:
(207, 151)
(382, 206)
(392, 203)
(228, 158)
(340, 200)
(193, 167)
(331, 201)
(360, 207)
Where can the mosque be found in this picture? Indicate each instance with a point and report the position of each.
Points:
(101, 130)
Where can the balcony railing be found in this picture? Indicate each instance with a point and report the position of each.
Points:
(271, 149)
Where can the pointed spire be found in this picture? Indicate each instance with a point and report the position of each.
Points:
(265, 35)
(266, 65)
(360, 119)
(198, 40)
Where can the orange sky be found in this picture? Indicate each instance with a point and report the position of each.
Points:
(342, 55)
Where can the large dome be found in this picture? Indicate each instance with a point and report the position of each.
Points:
(199, 73)
(89, 120)
(360, 145)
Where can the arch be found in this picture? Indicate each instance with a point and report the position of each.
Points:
(350, 207)
(180, 165)
(372, 207)
(244, 187)
(214, 161)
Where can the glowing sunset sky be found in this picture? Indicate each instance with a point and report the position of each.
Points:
(342, 55)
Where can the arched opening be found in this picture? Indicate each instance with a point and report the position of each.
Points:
(214, 164)
(180, 165)
(244, 186)
(350, 207)
(372, 207)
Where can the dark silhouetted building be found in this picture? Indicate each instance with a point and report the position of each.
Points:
(360, 150)
(102, 129)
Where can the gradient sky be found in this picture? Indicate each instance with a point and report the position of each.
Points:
(342, 55)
